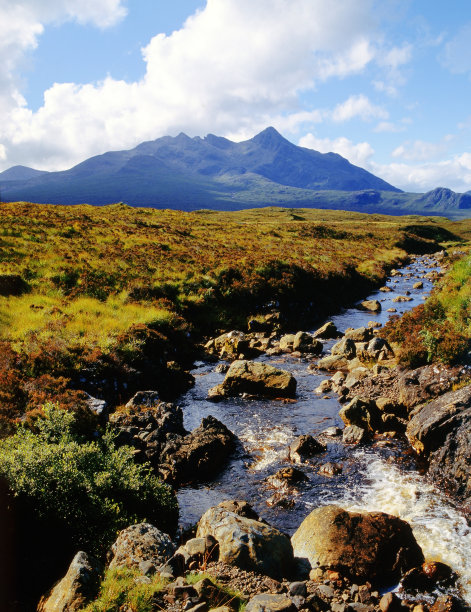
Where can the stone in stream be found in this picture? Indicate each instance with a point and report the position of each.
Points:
(345, 348)
(363, 413)
(288, 475)
(328, 330)
(304, 447)
(306, 343)
(371, 546)
(255, 378)
(199, 455)
(440, 430)
(355, 435)
(247, 543)
(76, 589)
(372, 305)
(333, 363)
(418, 285)
(428, 577)
(359, 334)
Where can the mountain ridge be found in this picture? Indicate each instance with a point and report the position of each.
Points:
(214, 172)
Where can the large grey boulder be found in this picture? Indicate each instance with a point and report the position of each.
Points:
(78, 587)
(346, 348)
(141, 543)
(328, 330)
(371, 546)
(440, 430)
(247, 543)
(255, 378)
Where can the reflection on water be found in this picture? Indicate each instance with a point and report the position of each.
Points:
(265, 429)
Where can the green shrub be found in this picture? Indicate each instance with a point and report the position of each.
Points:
(91, 489)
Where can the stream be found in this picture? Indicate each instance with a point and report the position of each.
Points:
(378, 477)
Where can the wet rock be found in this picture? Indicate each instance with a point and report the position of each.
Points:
(266, 602)
(199, 455)
(363, 413)
(440, 431)
(359, 334)
(427, 578)
(328, 330)
(372, 305)
(324, 387)
(333, 362)
(221, 368)
(331, 432)
(385, 289)
(248, 543)
(355, 435)
(418, 285)
(345, 348)
(402, 298)
(289, 475)
(330, 469)
(304, 447)
(78, 587)
(141, 542)
(231, 345)
(306, 343)
(256, 379)
(370, 546)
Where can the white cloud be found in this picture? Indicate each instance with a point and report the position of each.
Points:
(357, 154)
(358, 106)
(389, 126)
(420, 150)
(456, 55)
(454, 173)
(233, 65)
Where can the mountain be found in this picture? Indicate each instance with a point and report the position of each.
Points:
(189, 173)
(214, 172)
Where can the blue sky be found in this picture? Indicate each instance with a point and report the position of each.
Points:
(385, 83)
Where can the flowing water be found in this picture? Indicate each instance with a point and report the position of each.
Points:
(371, 479)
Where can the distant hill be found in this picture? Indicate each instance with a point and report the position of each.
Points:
(216, 173)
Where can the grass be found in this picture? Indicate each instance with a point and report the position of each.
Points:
(114, 293)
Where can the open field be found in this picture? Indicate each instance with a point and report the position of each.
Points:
(94, 293)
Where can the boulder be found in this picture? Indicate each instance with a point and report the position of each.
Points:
(144, 399)
(378, 347)
(417, 386)
(287, 342)
(305, 446)
(268, 602)
(346, 348)
(428, 577)
(141, 543)
(402, 298)
(362, 413)
(255, 378)
(333, 363)
(247, 543)
(97, 406)
(418, 285)
(359, 334)
(440, 430)
(371, 546)
(198, 455)
(355, 435)
(147, 430)
(76, 589)
(328, 330)
(306, 343)
(13, 284)
(231, 345)
(288, 475)
(372, 305)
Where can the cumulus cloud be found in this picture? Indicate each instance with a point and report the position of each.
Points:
(357, 154)
(420, 150)
(233, 66)
(358, 106)
(454, 173)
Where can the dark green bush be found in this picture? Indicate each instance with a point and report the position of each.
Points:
(91, 489)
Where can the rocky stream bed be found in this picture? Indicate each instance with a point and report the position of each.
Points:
(322, 456)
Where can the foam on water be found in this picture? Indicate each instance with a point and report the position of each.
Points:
(439, 528)
(268, 443)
